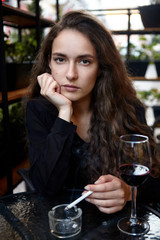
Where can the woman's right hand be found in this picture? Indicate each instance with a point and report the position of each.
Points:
(51, 90)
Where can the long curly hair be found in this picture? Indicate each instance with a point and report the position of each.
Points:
(114, 98)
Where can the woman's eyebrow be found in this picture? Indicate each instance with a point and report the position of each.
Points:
(86, 56)
(58, 54)
(79, 56)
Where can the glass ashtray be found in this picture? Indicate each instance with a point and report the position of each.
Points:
(63, 222)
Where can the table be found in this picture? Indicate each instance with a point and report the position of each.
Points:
(24, 216)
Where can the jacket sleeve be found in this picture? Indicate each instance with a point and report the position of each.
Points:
(50, 141)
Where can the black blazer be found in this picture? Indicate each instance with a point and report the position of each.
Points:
(57, 153)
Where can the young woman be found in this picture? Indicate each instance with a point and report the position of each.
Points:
(82, 100)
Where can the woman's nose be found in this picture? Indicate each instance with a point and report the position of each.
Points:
(72, 73)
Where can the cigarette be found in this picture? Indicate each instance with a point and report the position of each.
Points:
(78, 200)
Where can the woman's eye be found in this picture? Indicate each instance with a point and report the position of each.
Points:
(59, 60)
(85, 61)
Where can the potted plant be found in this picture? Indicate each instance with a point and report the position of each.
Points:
(150, 14)
(138, 59)
(152, 50)
(151, 98)
(19, 57)
(155, 52)
(152, 95)
(20, 54)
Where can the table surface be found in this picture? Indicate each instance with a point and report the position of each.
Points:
(24, 216)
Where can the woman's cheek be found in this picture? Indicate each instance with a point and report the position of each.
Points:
(57, 76)
(54, 75)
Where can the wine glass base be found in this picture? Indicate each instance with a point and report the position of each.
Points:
(138, 229)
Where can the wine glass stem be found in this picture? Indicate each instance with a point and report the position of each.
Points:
(133, 218)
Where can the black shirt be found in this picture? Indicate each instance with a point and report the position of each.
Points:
(56, 152)
(58, 155)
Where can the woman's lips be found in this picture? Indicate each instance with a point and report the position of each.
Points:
(70, 88)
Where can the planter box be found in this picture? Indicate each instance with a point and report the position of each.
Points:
(156, 111)
(136, 68)
(150, 15)
(157, 63)
(17, 75)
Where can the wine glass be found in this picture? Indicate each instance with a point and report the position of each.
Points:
(134, 168)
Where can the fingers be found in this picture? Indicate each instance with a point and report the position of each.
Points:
(105, 183)
(119, 193)
(48, 84)
(110, 194)
(110, 210)
(105, 178)
(51, 90)
(106, 203)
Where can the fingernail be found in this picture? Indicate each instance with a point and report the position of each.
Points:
(87, 199)
(87, 188)
(98, 181)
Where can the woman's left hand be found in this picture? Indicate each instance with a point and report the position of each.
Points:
(110, 194)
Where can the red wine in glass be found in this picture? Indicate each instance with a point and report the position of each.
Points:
(134, 168)
(134, 174)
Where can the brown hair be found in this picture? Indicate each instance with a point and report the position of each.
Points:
(114, 100)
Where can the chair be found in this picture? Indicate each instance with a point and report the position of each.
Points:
(24, 173)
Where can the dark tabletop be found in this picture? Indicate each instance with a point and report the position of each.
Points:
(24, 216)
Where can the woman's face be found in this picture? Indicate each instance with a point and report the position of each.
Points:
(74, 64)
